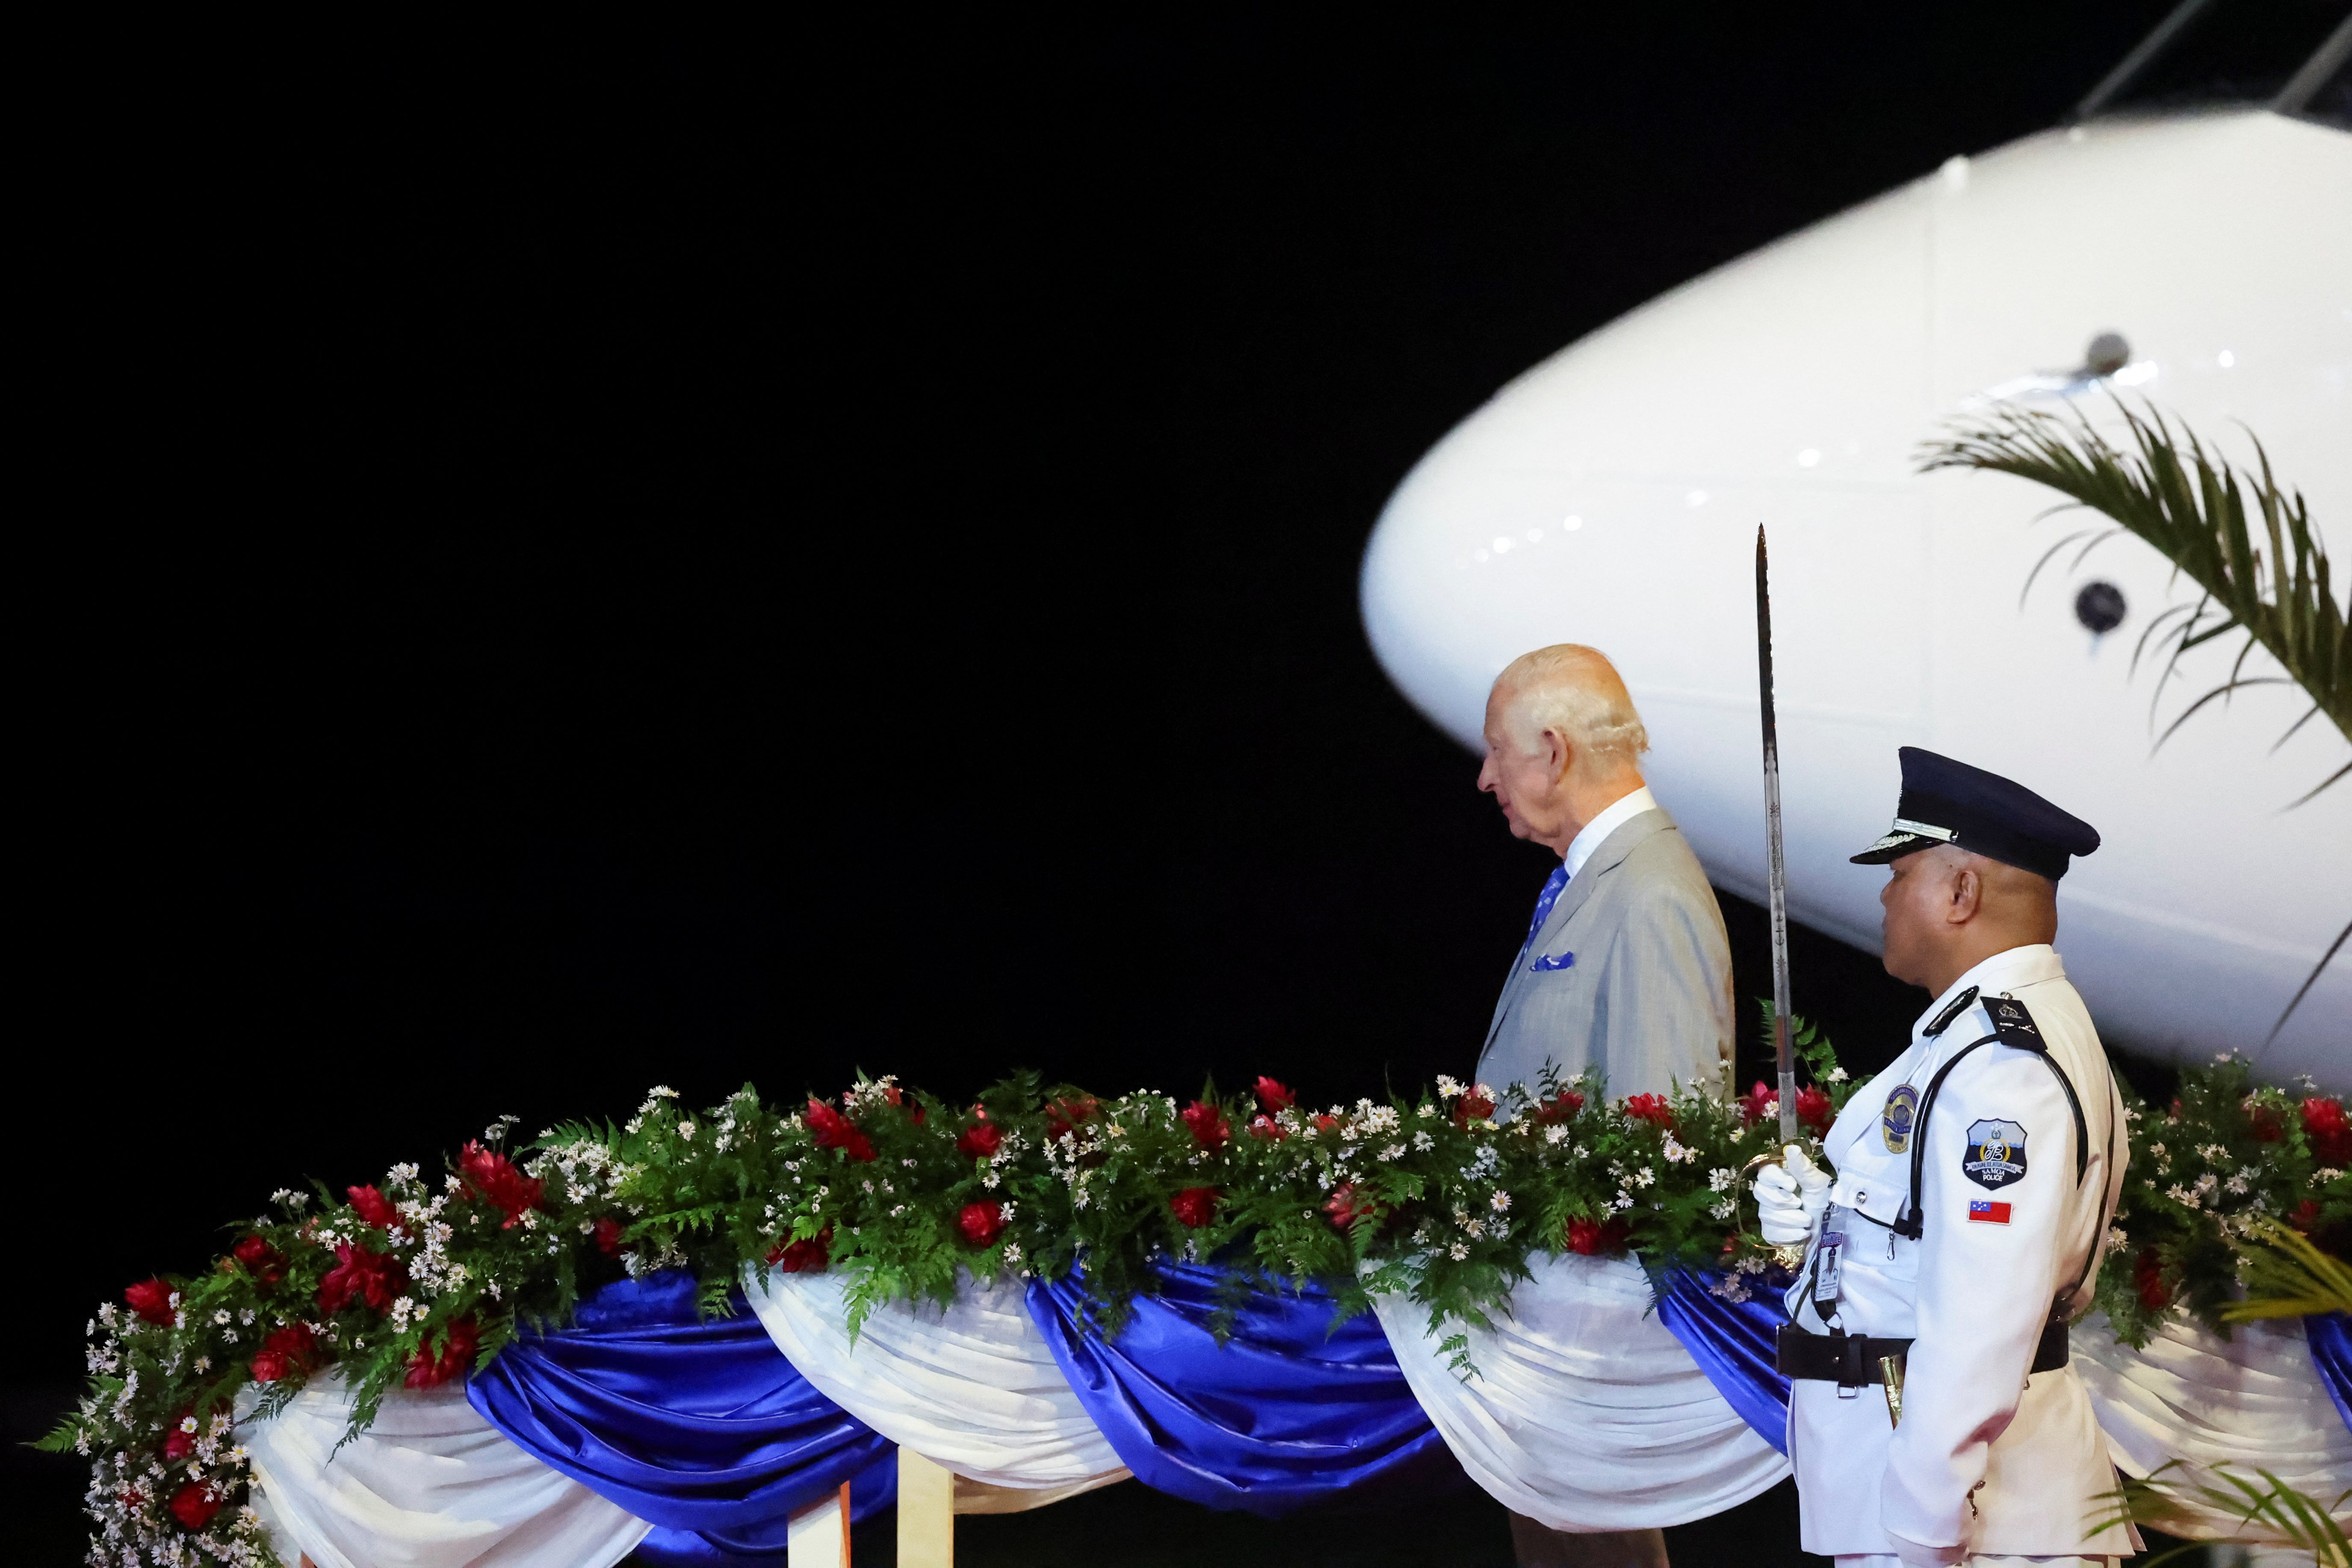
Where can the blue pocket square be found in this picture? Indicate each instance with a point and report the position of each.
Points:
(1564, 960)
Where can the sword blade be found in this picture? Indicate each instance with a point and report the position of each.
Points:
(1776, 869)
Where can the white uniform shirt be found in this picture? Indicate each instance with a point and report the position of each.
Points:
(1986, 1460)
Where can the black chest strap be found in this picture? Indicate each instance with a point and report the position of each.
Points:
(2012, 1026)
(1908, 1222)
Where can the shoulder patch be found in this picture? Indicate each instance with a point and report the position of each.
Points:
(1996, 1152)
(2013, 1024)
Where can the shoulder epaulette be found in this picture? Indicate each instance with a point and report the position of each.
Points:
(2014, 1026)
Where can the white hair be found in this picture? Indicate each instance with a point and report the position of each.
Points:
(1575, 692)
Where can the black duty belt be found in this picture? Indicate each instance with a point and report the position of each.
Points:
(1852, 1360)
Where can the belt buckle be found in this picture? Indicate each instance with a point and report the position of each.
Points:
(1851, 1375)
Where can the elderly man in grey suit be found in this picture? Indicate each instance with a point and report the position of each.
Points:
(1626, 967)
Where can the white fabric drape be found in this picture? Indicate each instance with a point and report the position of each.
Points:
(972, 1387)
(1585, 1413)
(2253, 1401)
(429, 1485)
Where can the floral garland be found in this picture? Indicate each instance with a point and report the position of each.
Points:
(1444, 1198)
(2204, 1173)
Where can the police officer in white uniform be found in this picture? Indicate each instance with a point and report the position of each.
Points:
(1974, 1180)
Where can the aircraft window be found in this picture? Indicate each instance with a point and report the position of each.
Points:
(2100, 607)
(2214, 52)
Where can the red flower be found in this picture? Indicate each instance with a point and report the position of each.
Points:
(1473, 1107)
(492, 1175)
(892, 1092)
(608, 1236)
(1757, 1103)
(1814, 1110)
(981, 1139)
(1559, 1107)
(1652, 1108)
(2304, 1215)
(179, 1445)
(1597, 1238)
(194, 1506)
(2148, 1274)
(1267, 1127)
(1208, 1125)
(1272, 1097)
(260, 1259)
(1064, 1116)
(375, 1208)
(1325, 1123)
(981, 1223)
(1196, 1206)
(806, 1257)
(917, 1115)
(1345, 1209)
(2263, 1124)
(831, 1130)
(360, 1275)
(428, 1370)
(2330, 1134)
(152, 1299)
(286, 1349)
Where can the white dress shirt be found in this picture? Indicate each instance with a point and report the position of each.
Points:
(1615, 816)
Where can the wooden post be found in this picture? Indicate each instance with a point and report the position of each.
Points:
(818, 1536)
(925, 1513)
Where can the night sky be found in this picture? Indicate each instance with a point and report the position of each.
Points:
(647, 557)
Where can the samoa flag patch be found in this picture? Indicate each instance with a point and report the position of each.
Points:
(1981, 1213)
(1996, 1153)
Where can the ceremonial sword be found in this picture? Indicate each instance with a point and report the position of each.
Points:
(1775, 875)
(1776, 870)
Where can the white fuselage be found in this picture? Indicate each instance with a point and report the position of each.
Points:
(1610, 496)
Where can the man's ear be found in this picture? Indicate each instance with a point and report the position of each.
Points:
(1560, 756)
(1967, 896)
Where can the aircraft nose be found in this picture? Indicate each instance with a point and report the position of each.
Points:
(1611, 495)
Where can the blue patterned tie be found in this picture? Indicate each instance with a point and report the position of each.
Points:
(1552, 886)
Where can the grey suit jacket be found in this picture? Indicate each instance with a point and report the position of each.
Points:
(1647, 997)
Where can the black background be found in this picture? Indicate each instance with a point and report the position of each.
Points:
(623, 556)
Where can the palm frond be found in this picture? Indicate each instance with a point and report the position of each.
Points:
(2269, 1513)
(2286, 1275)
(2269, 579)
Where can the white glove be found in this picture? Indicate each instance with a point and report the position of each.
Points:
(1790, 1199)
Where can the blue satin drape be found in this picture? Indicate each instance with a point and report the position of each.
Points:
(1733, 1342)
(702, 1427)
(1289, 1413)
(2330, 1336)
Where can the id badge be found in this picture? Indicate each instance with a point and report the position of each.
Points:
(1829, 1261)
